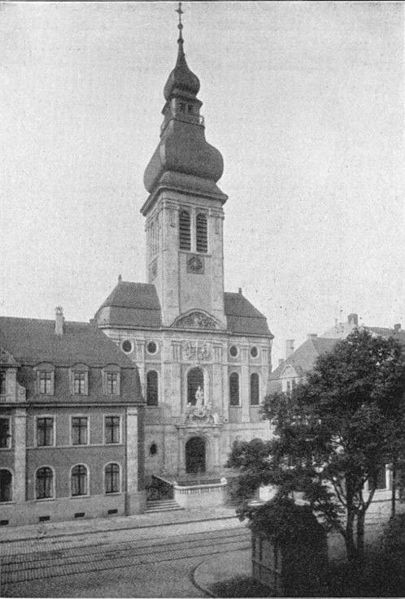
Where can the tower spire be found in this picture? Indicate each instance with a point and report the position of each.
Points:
(180, 24)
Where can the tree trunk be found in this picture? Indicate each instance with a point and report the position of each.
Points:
(349, 537)
(361, 516)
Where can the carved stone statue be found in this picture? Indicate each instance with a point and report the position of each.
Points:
(199, 397)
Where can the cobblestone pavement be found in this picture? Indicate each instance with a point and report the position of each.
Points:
(148, 562)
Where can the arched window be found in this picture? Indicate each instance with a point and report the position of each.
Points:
(6, 485)
(79, 480)
(234, 389)
(44, 483)
(254, 389)
(152, 388)
(184, 230)
(195, 385)
(201, 233)
(112, 478)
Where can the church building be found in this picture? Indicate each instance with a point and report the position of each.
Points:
(204, 355)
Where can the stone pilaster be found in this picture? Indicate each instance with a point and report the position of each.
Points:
(245, 383)
(20, 459)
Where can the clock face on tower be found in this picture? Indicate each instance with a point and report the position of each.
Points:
(195, 264)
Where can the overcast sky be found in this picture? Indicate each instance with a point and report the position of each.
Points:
(304, 101)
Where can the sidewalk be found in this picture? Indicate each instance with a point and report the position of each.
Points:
(83, 527)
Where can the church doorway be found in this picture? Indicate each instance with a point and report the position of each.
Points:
(195, 455)
(195, 385)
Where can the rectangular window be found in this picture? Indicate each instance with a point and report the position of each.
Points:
(5, 436)
(79, 383)
(79, 430)
(45, 436)
(112, 429)
(112, 383)
(45, 383)
(2, 382)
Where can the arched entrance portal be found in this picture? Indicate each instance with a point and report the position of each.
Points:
(195, 455)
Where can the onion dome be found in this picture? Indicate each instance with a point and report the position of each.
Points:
(181, 79)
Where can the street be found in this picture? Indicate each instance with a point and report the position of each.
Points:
(151, 562)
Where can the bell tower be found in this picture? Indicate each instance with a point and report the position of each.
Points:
(184, 209)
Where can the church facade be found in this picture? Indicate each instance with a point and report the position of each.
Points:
(204, 355)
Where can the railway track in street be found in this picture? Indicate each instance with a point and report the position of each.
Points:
(65, 561)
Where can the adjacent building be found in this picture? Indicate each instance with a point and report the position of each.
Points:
(294, 368)
(71, 423)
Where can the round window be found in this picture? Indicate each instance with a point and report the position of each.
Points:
(127, 346)
(151, 347)
(233, 351)
(254, 352)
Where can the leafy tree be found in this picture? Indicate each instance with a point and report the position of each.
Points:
(332, 435)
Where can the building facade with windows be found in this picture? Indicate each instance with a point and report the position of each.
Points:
(71, 423)
(204, 355)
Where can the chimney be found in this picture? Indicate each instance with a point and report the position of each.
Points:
(59, 320)
(119, 278)
(397, 327)
(353, 319)
(289, 347)
(240, 290)
(312, 335)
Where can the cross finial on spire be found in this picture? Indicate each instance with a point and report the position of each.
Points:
(180, 25)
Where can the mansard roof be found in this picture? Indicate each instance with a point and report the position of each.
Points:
(242, 317)
(131, 304)
(32, 341)
(137, 304)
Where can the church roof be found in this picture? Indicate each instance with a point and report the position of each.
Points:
(131, 304)
(31, 341)
(137, 304)
(242, 317)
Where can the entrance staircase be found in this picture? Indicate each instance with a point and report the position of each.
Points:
(161, 505)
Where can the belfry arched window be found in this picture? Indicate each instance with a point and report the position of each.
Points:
(184, 230)
(195, 385)
(201, 233)
(254, 389)
(152, 388)
(234, 389)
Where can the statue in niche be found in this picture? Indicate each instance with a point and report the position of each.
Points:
(199, 397)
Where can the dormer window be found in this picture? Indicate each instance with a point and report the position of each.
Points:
(2, 382)
(184, 230)
(79, 380)
(111, 380)
(45, 382)
(45, 374)
(79, 383)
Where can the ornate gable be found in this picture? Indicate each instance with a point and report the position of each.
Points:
(195, 320)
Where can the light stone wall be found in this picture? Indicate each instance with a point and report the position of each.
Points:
(172, 364)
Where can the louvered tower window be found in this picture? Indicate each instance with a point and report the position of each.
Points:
(184, 230)
(202, 241)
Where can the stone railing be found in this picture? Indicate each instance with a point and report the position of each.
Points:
(200, 495)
